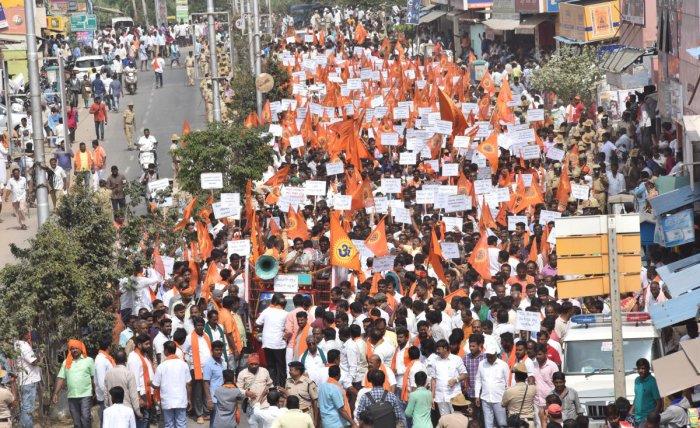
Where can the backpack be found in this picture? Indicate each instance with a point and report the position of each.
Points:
(381, 412)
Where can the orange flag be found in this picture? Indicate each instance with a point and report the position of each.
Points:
(212, 278)
(505, 94)
(360, 34)
(252, 120)
(280, 176)
(343, 251)
(186, 214)
(489, 148)
(435, 258)
(479, 258)
(266, 113)
(204, 240)
(533, 250)
(158, 261)
(185, 127)
(564, 187)
(486, 220)
(296, 225)
(526, 197)
(488, 84)
(376, 241)
(449, 111)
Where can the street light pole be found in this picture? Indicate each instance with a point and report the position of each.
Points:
(249, 28)
(619, 383)
(62, 90)
(258, 65)
(213, 63)
(8, 102)
(42, 193)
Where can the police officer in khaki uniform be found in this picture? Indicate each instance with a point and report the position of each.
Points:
(189, 68)
(302, 386)
(129, 123)
(599, 187)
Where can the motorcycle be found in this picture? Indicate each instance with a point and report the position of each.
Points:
(131, 80)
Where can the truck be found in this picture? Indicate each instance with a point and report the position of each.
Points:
(122, 22)
(588, 358)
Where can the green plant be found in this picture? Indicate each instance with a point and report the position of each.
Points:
(569, 71)
(238, 153)
(282, 88)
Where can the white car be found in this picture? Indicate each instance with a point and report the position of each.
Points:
(85, 64)
(588, 358)
(16, 117)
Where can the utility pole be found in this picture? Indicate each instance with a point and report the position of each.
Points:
(62, 90)
(258, 65)
(8, 102)
(618, 357)
(42, 192)
(249, 28)
(145, 12)
(213, 63)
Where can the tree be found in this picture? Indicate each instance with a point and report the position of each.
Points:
(282, 87)
(569, 71)
(63, 284)
(239, 153)
(242, 101)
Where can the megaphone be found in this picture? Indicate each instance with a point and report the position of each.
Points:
(266, 267)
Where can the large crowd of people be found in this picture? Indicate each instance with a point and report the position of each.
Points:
(414, 204)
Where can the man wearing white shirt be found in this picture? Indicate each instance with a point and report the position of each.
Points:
(146, 142)
(164, 335)
(103, 362)
(265, 417)
(446, 371)
(616, 181)
(136, 363)
(17, 187)
(401, 355)
(313, 359)
(358, 354)
(118, 415)
(28, 377)
(173, 379)
(272, 321)
(491, 381)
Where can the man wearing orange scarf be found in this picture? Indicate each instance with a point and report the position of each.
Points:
(333, 404)
(139, 364)
(197, 349)
(77, 374)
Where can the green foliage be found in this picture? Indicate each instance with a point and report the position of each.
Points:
(243, 100)
(282, 87)
(569, 71)
(63, 285)
(239, 153)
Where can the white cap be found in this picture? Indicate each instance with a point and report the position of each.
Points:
(490, 347)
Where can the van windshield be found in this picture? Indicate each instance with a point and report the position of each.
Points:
(593, 356)
(89, 63)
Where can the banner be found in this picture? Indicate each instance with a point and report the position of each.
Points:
(182, 11)
(413, 11)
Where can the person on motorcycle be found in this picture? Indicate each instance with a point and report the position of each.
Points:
(147, 143)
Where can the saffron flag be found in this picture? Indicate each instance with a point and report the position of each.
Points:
(280, 177)
(479, 258)
(489, 148)
(186, 214)
(296, 225)
(376, 241)
(343, 251)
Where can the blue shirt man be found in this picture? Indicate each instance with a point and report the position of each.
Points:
(213, 369)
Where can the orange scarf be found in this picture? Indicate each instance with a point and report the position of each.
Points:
(226, 315)
(146, 378)
(194, 338)
(404, 383)
(109, 357)
(386, 386)
(346, 403)
(406, 358)
(300, 345)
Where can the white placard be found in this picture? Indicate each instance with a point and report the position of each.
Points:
(401, 215)
(555, 154)
(461, 142)
(391, 185)
(457, 203)
(381, 204)
(240, 247)
(527, 321)
(286, 283)
(536, 115)
(314, 188)
(157, 185)
(401, 113)
(453, 222)
(482, 186)
(513, 219)
(580, 191)
(390, 139)
(296, 141)
(450, 250)
(335, 168)
(342, 202)
(425, 197)
(275, 129)
(212, 180)
(502, 194)
(355, 84)
(233, 199)
(168, 264)
(224, 210)
(383, 264)
(407, 158)
(523, 136)
(547, 216)
(443, 127)
(531, 152)
(527, 179)
(450, 170)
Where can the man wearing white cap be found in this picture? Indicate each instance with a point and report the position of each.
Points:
(491, 381)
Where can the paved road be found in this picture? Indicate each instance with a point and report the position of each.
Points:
(162, 110)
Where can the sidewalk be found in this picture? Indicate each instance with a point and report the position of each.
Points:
(10, 232)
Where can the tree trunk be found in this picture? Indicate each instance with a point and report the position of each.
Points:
(136, 11)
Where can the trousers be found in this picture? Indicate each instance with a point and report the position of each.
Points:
(80, 411)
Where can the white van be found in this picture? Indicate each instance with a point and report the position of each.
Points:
(588, 358)
(122, 22)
